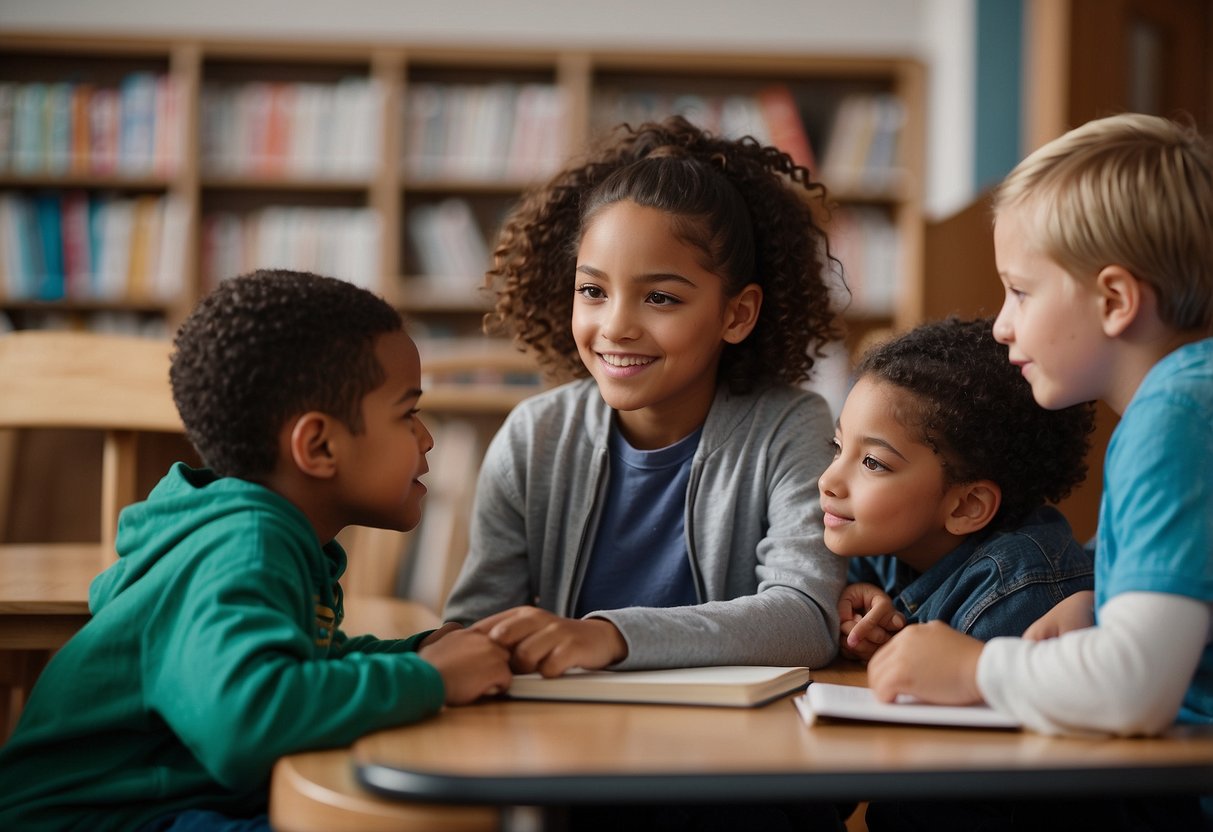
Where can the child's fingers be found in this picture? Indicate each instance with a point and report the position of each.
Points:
(845, 609)
(513, 626)
(869, 628)
(530, 654)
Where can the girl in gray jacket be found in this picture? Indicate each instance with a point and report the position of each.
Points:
(661, 509)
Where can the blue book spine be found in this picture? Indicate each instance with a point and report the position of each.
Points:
(29, 249)
(136, 139)
(50, 284)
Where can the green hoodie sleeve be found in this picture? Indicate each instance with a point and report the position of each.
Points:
(232, 664)
(344, 645)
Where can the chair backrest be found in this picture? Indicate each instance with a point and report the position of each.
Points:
(114, 383)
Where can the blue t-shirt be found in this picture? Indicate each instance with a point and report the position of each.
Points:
(990, 585)
(1156, 513)
(639, 558)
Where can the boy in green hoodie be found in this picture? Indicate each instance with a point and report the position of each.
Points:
(215, 645)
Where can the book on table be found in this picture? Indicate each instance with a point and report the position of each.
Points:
(739, 686)
(822, 699)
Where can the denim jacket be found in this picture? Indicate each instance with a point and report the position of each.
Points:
(990, 585)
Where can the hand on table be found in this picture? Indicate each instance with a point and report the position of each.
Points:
(470, 663)
(551, 644)
(867, 620)
(929, 661)
(1077, 612)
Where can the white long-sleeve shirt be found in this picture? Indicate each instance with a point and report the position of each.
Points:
(1126, 676)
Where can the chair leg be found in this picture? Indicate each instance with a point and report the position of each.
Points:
(19, 670)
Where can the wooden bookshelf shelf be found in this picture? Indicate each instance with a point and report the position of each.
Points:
(117, 181)
(249, 129)
(282, 183)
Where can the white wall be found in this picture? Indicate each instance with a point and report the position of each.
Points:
(938, 32)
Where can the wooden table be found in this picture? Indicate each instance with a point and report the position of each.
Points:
(548, 754)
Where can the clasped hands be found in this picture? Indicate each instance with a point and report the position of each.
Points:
(479, 660)
(543, 642)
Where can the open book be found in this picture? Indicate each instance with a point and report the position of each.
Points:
(848, 702)
(738, 686)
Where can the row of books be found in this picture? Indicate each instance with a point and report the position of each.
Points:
(68, 127)
(292, 129)
(862, 150)
(770, 115)
(338, 242)
(448, 242)
(866, 242)
(500, 130)
(87, 246)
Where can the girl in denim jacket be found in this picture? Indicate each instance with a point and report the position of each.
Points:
(943, 464)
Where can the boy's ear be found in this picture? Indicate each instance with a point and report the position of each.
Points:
(311, 445)
(974, 505)
(1121, 296)
(742, 313)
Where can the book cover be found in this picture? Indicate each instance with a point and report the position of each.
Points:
(822, 699)
(143, 239)
(105, 118)
(136, 130)
(29, 137)
(115, 221)
(57, 149)
(167, 126)
(82, 95)
(739, 686)
(784, 125)
(14, 279)
(8, 104)
(77, 248)
(49, 279)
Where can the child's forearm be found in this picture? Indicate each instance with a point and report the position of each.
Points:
(1126, 676)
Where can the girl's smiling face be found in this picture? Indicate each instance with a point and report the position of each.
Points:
(650, 322)
(885, 492)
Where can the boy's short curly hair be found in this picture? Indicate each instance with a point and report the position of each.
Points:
(972, 406)
(747, 208)
(268, 346)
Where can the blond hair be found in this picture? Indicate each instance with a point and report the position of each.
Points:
(1130, 190)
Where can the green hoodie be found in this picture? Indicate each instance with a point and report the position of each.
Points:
(214, 648)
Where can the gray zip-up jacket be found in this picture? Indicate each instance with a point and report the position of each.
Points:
(768, 587)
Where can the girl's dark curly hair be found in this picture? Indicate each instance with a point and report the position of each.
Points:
(268, 346)
(972, 406)
(746, 207)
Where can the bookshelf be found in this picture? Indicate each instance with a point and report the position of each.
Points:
(390, 165)
(373, 162)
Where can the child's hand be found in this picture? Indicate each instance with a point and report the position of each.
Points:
(448, 627)
(542, 641)
(930, 661)
(1077, 612)
(867, 619)
(470, 663)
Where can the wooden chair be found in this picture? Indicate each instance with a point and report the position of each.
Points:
(114, 384)
(118, 385)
